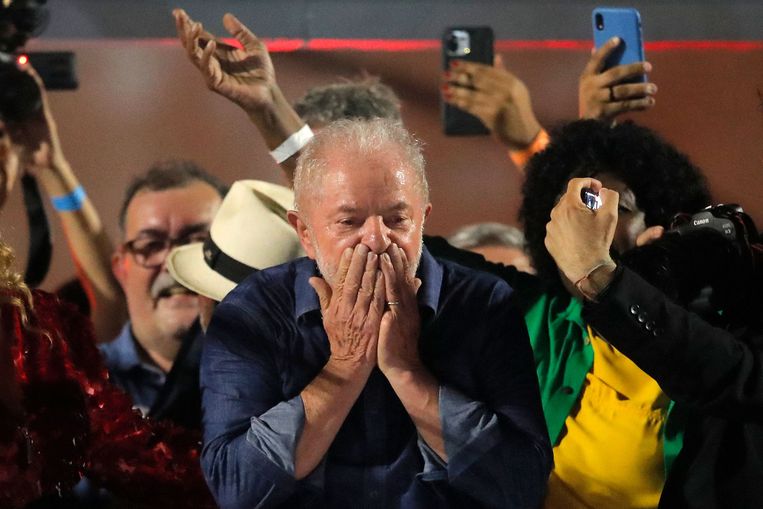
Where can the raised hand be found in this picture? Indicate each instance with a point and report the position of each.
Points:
(352, 310)
(34, 140)
(243, 75)
(495, 96)
(602, 95)
(579, 238)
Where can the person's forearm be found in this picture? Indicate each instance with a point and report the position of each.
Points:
(327, 401)
(419, 391)
(275, 124)
(91, 248)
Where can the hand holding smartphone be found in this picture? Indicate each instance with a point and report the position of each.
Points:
(474, 44)
(625, 24)
(614, 80)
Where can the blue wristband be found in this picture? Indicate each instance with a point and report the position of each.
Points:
(70, 202)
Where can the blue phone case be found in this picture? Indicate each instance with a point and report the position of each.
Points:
(624, 23)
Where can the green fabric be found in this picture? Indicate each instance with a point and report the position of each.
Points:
(563, 357)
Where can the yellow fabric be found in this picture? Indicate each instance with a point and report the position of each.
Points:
(611, 453)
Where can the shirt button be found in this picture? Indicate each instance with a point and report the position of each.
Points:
(649, 326)
(635, 309)
(642, 317)
(656, 332)
(566, 390)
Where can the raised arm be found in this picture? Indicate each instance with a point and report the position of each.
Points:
(705, 367)
(501, 100)
(245, 76)
(36, 143)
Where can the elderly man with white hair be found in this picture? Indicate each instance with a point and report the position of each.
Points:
(370, 374)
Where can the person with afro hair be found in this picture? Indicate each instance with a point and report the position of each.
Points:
(615, 433)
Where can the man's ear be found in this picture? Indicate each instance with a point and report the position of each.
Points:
(427, 210)
(118, 267)
(302, 232)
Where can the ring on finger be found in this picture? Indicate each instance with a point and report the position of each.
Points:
(393, 303)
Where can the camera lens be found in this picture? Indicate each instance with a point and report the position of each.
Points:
(599, 22)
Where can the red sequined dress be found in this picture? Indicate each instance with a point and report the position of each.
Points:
(76, 423)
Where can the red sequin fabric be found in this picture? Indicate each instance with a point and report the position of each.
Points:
(76, 423)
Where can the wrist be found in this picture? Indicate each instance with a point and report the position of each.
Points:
(520, 156)
(348, 371)
(596, 280)
(403, 372)
(531, 132)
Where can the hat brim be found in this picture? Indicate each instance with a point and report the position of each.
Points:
(186, 264)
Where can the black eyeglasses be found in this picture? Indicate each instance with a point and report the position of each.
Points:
(151, 251)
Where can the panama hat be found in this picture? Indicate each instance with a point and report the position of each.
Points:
(249, 232)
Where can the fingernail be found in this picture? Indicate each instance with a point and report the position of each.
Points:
(647, 66)
(615, 40)
(652, 88)
(385, 258)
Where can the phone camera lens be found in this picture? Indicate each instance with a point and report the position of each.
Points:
(452, 43)
(599, 22)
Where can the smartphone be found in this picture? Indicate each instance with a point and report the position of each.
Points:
(474, 44)
(624, 23)
(590, 198)
(57, 69)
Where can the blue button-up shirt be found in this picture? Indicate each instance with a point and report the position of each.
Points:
(140, 379)
(266, 343)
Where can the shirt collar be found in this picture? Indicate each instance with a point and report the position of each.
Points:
(306, 299)
(123, 352)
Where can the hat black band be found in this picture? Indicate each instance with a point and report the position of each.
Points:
(223, 264)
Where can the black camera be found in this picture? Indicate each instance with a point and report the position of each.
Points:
(19, 95)
(710, 262)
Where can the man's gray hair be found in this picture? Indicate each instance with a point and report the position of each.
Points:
(488, 234)
(363, 137)
(368, 98)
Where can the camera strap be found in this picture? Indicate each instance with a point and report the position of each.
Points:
(40, 246)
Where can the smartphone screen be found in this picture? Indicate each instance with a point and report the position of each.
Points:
(474, 44)
(624, 23)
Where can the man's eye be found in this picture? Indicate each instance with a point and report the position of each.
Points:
(396, 220)
(347, 221)
(149, 246)
(623, 209)
(196, 237)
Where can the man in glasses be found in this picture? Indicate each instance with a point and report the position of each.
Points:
(172, 204)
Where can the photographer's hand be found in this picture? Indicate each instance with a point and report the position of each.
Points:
(579, 238)
(36, 143)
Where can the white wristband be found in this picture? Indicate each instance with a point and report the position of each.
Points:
(292, 144)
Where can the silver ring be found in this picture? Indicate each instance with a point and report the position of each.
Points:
(393, 302)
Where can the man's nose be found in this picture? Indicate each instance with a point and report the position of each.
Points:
(376, 235)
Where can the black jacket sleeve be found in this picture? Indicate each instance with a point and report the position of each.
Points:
(712, 370)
